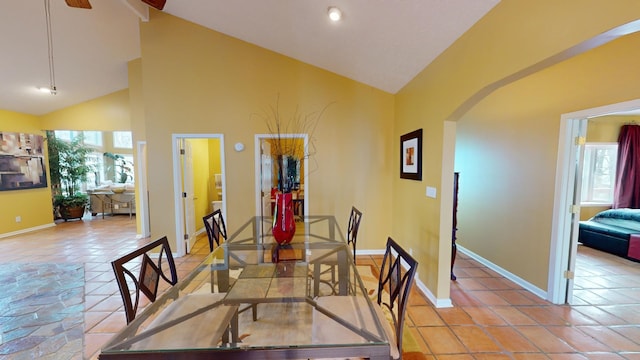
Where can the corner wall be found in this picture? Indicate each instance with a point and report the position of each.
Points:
(513, 36)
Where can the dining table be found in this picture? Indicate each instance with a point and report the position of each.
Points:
(253, 298)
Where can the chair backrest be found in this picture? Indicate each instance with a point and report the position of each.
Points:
(352, 229)
(394, 284)
(214, 224)
(149, 262)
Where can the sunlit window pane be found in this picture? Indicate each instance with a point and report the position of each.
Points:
(93, 138)
(122, 140)
(599, 173)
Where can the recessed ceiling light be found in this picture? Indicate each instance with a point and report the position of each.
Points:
(334, 13)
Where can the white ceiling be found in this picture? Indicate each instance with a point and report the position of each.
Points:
(382, 43)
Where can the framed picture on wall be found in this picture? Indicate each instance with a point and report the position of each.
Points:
(411, 155)
(22, 163)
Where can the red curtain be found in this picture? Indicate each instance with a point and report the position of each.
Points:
(627, 188)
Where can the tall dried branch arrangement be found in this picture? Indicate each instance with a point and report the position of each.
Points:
(288, 149)
(297, 123)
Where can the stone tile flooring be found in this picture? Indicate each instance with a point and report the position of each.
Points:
(41, 310)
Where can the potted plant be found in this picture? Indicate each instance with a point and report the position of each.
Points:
(123, 168)
(69, 166)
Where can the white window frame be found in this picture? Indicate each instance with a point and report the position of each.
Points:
(587, 197)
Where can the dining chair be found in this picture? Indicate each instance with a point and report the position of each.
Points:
(394, 287)
(352, 229)
(352, 237)
(206, 327)
(151, 266)
(217, 231)
(214, 225)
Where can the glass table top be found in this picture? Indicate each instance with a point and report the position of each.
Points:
(251, 297)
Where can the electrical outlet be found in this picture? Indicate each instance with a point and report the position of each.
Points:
(18, 219)
(411, 251)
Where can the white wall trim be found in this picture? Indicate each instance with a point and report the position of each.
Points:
(510, 276)
(438, 303)
(180, 245)
(561, 248)
(27, 230)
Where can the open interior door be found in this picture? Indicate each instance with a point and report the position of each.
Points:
(578, 161)
(188, 195)
(266, 177)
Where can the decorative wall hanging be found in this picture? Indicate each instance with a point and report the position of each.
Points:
(22, 161)
(411, 155)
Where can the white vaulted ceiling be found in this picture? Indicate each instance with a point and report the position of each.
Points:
(382, 43)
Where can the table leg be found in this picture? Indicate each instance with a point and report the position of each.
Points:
(316, 279)
(343, 273)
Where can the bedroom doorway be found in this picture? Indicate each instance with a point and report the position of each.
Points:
(564, 247)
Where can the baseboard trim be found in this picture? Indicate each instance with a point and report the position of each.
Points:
(438, 303)
(516, 279)
(27, 230)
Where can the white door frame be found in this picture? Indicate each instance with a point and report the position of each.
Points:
(177, 184)
(561, 250)
(142, 206)
(258, 163)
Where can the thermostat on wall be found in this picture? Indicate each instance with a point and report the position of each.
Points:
(239, 146)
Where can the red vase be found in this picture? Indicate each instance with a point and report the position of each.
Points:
(284, 223)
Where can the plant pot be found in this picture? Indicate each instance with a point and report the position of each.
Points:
(284, 224)
(74, 212)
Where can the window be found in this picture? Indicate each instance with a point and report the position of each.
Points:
(95, 178)
(122, 140)
(128, 163)
(93, 138)
(599, 173)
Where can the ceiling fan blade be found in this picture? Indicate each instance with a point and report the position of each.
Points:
(158, 4)
(84, 4)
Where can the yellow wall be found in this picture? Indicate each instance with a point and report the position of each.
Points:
(32, 205)
(218, 82)
(106, 113)
(512, 173)
(507, 151)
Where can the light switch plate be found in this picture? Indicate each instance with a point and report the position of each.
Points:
(431, 192)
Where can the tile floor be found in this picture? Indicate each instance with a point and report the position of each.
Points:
(492, 318)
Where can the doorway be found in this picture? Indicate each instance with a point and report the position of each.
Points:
(266, 175)
(199, 183)
(566, 216)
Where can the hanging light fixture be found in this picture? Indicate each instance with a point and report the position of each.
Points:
(52, 75)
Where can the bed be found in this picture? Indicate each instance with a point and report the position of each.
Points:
(616, 231)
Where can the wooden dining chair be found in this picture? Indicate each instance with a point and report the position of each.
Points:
(143, 268)
(394, 287)
(216, 230)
